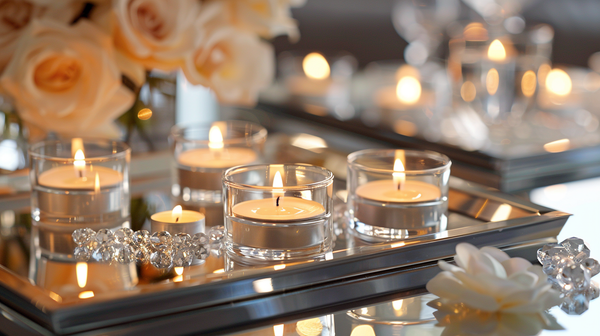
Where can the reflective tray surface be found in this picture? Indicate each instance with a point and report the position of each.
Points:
(222, 294)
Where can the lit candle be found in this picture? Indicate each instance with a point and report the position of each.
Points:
(316, 80)
(268, 217)
(177, 220)
(407, 94)
(498, 79)
(216, 156)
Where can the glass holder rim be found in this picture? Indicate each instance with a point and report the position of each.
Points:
(327, 180)
(124, 150)
(410, 172)
(176, 133)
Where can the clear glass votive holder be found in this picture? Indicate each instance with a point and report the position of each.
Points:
(396, 194)
(278, 212)
(202, 153)
(75, 184)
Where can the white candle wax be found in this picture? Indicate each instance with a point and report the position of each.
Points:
(187, 216)
(217, 158)
(410, 192)
(67, 177)
(289, 209)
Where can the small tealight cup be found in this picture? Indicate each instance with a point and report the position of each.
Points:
(396, 194)
(202, 153)
(278, 212)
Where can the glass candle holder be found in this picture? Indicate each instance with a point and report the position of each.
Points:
(395, 194)
(278, 212)
(75, 184)
(202, 153)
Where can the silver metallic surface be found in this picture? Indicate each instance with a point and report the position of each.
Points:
(276, 235)
(174, 228)
(79, 203)
(200, 179)
(417, 217)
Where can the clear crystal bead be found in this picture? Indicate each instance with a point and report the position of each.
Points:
(83, 236)
(183, 257)
(181, 240)
(575, 303)
(162, 258)
(161, 239)
(592, 265)
(124, 253)
(574, 246)
(592, 292)
(123, 235)
(216, 233)
(553, 259)
(104, 236)
(104, 253)
(142, 255)
(200, 238)
(141, 237)
(574, 276)
(82, 253)
(201, 251)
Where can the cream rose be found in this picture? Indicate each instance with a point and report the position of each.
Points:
(235, 64)
(490, 281)
(268, 18)
(157, 33)
(65, 79)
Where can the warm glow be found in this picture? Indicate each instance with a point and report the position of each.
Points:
(178, 270)
(475, 31)
(76, 144)
(398, 304)
(558, 82)
(220, 270)
(176, 213)
(543, 72)
(528, 83)
(496, 52)
(399, 178)
(468, 92)
(394, 245)
(408, 90)
(502, 213)
(315, 66)
(278, 267)
(492, 80)
(81, 269)
(277, 183)
(363, 330)
(86, 295)
(263, 285)
(144, 114)
(310, 327)
(557, 146)
(79, 162)
(97, 184)
(278, 330)
(215, 138)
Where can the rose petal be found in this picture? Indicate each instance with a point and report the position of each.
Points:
(463, 254)
(446, 286)
(525, 279)
(514, 265)
(497, 254)
(449, 267)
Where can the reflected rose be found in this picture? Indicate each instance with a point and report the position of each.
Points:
(235, 64)
(157, 33)
(65, 78)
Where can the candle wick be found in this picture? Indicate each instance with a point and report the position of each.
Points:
(176, 219)
(277, 201)
(80, 174)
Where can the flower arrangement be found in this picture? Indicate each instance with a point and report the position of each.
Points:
(75, 65)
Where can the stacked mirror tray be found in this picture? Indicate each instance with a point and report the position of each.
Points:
(223, 295)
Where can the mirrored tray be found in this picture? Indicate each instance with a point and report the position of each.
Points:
(221, 295)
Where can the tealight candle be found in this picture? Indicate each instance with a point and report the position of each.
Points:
(200, 162)
(409, 203)
(293, 220)
(315, 80)
(177, 221)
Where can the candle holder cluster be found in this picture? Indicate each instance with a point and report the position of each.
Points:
(570, 269)
(161, 249)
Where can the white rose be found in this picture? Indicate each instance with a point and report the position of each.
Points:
(157, 33)
(235, 64)
(490, 281)
(64, 78)
(268, 18)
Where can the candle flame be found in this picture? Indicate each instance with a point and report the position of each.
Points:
(179, 272)
(79, 162)
(496, 52)
(215, 138)
(492, 81)
(315, 66)
(76, 144)
(277, 183)
(81, 269)
(278, 330)
(408, 90)
(86, 295)
(399, 178)
(176, 213)
(559, 82)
